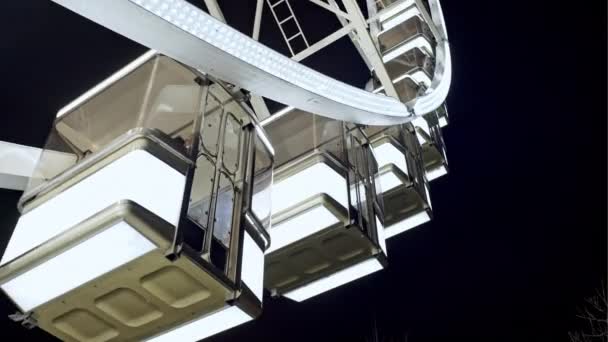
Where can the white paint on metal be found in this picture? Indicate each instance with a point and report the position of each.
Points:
(17, 163)
(369, 47)
(323, 42)
(280, 79)
(337, 11)
(215, 10)
(257, 21)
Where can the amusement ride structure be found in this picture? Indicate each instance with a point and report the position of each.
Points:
(168, 198)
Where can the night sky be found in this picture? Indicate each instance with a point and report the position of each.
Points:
(518, 238)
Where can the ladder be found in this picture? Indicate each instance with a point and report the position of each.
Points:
(284, 21)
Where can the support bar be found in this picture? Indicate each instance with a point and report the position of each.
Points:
(17, 163)
(215, 10)
(335, 10)
(369, 48)
(257, 21)
(323, 42)
(239, 60)
(429, 21)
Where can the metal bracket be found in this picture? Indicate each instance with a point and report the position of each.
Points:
(26, 319)
(174, 252)
(421, 89)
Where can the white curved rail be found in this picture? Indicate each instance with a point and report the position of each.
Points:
(191, 36)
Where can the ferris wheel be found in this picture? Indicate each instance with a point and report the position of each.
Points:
(169, 197)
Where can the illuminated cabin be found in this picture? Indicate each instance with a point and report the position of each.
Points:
(325, 230)
(402, 177)
(137, 224)
(148, 216)
(407, 46)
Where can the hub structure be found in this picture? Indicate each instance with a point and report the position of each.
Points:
(212, 170)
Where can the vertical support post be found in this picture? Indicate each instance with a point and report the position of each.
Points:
(370, 193)
(206, 252)
(243, 199)
(352, 36)
(374, 27)
(346, 153)
(257, 21)
(193, 156)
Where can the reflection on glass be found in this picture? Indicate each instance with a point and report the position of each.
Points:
(160, 95)
(232, 144)
(262, 185)
(202, 186)
(224, 210)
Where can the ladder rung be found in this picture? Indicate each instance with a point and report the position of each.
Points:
(295, 35)
(285, 20)
(277, 3)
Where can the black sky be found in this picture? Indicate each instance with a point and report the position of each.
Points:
(519, 234)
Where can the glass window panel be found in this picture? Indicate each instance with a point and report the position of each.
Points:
(224, 210)
(56, 157)
(299, 133)
(262, 184)
(160, 95)
(211, 125)
(409, 62)
(401, 33)
(202, 186)
(232, 144)
(406, 89)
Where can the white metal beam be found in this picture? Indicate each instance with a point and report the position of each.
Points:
(374, 26)
(259, 107)
(257, 21)
(17, 163)
(257, 102)
(215, 10)
(368, 47)
(352, 36)
(429, 20)
(247, 64)
(323, 42)
(344, 19)
(333, 9)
